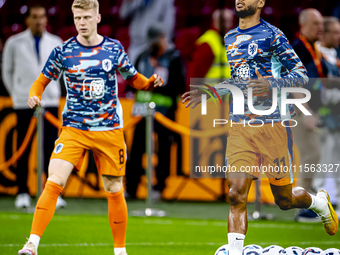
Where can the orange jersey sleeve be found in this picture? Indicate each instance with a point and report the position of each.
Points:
(140, 82)
(39, 86)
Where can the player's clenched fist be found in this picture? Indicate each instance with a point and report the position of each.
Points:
(33, 102)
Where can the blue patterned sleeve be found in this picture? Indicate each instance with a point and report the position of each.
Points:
(125, 68)
(294, 74)
(53, 66)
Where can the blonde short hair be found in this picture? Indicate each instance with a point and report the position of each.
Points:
(86, 4)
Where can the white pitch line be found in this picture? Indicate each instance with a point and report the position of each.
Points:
(169, 244)
(194, 223)
(223, 224)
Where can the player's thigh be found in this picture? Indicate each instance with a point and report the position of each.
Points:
(59, 170)
(277, 153)
(112, 184)
(110, 153)
(242, 154)
(69, 152)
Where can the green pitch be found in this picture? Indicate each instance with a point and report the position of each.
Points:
(83, 228)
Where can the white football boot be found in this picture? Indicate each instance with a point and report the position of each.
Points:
(23, 200)
(29, 249)
(61, 203)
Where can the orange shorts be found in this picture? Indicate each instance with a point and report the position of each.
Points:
(268, 149)
(108, 147)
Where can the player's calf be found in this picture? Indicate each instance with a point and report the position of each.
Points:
(285, 203)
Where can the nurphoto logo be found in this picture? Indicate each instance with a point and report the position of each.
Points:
(239, 101)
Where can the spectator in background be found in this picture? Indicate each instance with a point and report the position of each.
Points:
(166, 60)
(3, 91)
(24, 57)
(305, 134)
(144, 14)
(210, 58)
(330, 111)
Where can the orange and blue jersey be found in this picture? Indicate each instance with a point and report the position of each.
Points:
(266, 48)
(90, 77)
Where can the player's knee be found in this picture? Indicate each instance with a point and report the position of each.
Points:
(237, 197)
(58, 179)
(113, 185)
(284, 203)
(59, 171)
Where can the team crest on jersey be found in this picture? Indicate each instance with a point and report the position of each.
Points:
(242, 74)
(58, 148)
(252, 49)
(107, 65)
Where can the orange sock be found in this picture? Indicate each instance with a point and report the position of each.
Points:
(45, 208)
(117, 217)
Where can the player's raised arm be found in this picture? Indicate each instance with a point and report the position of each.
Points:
(296, 74)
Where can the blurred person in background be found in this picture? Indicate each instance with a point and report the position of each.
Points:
(165, 60)
(144, 14)
(305, 133)
(209, 59)
(3, 91)
(24, 57)
(330, 111)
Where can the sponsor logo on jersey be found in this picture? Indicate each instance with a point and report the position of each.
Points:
(58, 148)
(107, 65)
(252, 49)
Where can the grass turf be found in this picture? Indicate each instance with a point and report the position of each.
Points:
(86, 230)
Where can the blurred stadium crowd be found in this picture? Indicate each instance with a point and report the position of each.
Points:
(190, 18)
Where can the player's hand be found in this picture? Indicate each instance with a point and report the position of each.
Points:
(158, 82)
(310, 122)
(193, 96)
(259, 86)
(33, 102)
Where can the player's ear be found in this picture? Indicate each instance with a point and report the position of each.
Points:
(99, 18)
(261, 4)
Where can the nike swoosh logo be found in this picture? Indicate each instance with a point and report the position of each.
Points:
(40, 208)
(120, 168)
(118, 222)
(239, 239)
(279, 178)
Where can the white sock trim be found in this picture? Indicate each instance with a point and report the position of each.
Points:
(119, 250)
(236, 242)
(312, 205)
(319, 205)
(34, 239)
